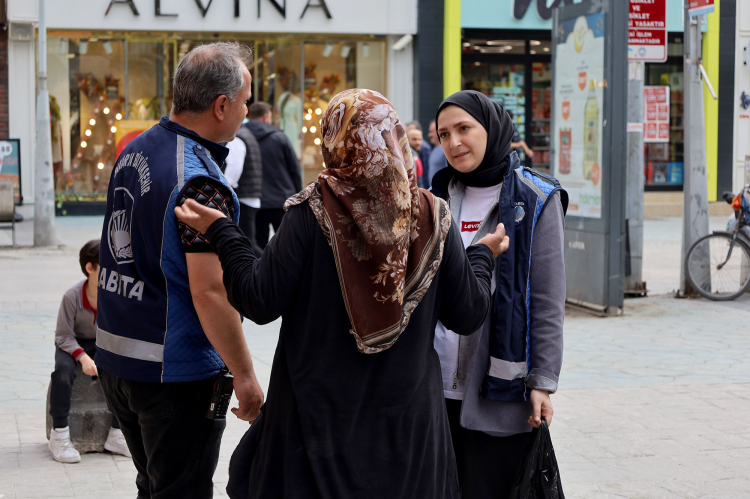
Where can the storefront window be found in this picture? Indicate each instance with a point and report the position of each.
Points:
(541, 102)
(104, 92)
(664, 161)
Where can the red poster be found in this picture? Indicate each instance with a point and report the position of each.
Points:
(651, 131)
(663, 113)
(664, 131)
(651, 113)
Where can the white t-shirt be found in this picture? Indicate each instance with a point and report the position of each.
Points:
(476, 203)
(235, 165)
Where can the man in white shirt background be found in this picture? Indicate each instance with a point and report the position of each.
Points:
(244, 172)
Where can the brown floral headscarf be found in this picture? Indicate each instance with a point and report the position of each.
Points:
(387, 235)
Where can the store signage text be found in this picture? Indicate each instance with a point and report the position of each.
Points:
(647, 30)
(280, 7)
(545, 12)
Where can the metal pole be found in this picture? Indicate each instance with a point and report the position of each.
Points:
(44, 185)
(695, 210)
(634, 285)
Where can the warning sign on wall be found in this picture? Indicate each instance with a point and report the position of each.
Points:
(647, 30)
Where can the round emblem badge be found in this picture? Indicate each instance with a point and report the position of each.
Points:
(519, 212)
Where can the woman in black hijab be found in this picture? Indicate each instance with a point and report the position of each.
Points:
(497, 381)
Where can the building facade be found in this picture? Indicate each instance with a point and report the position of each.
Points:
(110, 66)
(506, 54)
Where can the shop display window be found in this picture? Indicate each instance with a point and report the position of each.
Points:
(104, 92)
(664, 162)
(541, 105)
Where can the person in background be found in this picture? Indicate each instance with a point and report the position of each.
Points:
(437, 160)
(281, 170)
(517, 142)
(424, 152)
(244, 171)
(75, 341)
(165, 330)
(497, 382)
(415, 143)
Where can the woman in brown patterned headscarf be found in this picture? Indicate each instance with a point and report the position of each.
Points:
(387, 235)
(337, 422)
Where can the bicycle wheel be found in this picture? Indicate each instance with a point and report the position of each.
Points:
(703, 271)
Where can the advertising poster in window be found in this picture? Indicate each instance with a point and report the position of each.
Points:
(579, 92)
(656, 114)
(10, 165)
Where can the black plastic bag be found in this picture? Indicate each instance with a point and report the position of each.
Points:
(539, 476)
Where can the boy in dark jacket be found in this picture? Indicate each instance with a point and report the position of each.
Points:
(281, 171)
(75, 340)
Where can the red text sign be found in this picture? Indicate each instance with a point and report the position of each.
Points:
(647, 30)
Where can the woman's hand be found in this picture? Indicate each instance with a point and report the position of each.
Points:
(197, 216)
(542, 408)
(498, 242)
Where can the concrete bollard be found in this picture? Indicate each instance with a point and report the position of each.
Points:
(89, 418)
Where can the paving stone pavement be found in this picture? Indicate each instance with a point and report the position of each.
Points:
(651, 404)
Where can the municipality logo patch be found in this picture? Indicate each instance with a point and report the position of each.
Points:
(519, 212)
(119, 226)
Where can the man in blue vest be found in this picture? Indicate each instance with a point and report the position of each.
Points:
(165, 329)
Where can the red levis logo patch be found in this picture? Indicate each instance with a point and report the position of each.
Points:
(470, 226)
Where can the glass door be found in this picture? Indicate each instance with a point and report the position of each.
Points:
(541, 99)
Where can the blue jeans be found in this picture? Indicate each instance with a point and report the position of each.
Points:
(175, 447)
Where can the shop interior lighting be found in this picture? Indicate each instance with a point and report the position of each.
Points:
(83, 144)
(113, 129)
(106, 110)
(304, 129)
(309, 110)
(327, 49)
(93, 39)
(466, 45)
(92, 122)
(83, 47)
(534, 43)
(532, 52)
(108, 47)
(345, 51)
(546, 49)
(100, 166)
(308, 116)
(318, 111)
(316, 141)
(313, 129)
(118, 116)
(87, 133)
(365, 49)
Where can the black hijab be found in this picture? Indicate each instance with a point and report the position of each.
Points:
(495, 119)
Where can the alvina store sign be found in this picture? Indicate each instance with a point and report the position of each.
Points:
(236, 16)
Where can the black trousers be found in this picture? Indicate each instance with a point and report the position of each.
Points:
(61, 384)
(487, 466)
(247, 225)
(266, 217)
(175, 447)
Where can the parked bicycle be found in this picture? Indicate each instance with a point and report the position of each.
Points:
(718, 265)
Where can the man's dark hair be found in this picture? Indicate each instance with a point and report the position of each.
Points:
(89, 254)
(416, 125)
(258, 110)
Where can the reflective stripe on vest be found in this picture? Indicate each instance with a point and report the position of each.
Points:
(503, 369)
(129, 347)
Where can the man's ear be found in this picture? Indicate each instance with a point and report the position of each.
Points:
(220, 107)
(91, 268)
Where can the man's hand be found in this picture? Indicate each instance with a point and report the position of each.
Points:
(250, 396)
(197, 216)
(498, 242)
(542, 408)
(87, 363)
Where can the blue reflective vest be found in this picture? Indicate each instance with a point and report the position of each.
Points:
(522, 199)
(147, 327)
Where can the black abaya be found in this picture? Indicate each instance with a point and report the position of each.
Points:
(338, 423)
